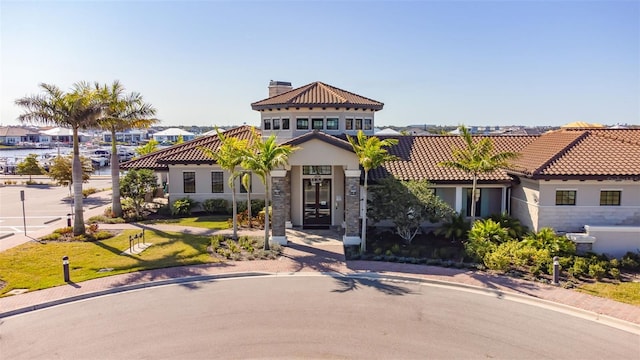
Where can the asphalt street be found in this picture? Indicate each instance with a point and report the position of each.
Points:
(308, 317)
(44, 206)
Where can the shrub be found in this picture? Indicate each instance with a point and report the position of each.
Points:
(395, 249)
(547, 239)
(64, 230)
(89, 191)
(580, 267)
(102, 234)
(105, 220)
(597, 270)
(216, 206)
(630, 261)
(92, 228)
(615, 273)
(183, 207)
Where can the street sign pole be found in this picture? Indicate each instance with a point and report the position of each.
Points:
(24, 219)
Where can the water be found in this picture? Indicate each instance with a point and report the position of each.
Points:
(14, 156)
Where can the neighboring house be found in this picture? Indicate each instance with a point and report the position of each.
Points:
(172, 135)
(321, 185)
(13, 135)
(64, 135)
(129, 136)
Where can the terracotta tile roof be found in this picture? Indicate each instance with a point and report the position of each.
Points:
(582, 154)
(317, 94)
(419, 157)
(186, 153)
(315, 134)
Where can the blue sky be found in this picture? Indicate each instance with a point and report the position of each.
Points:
(430, 62)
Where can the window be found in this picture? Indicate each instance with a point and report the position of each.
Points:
(189, 181)
(610, 198)
(316, 170)
(348, 124)
(217, 184)
(276, 124)
(302, 124)
(368, 124)
(285, 123)
(332, 123)
(317, 124)
(243, 190)
(267, 124)
(358, 124)
(565, 197)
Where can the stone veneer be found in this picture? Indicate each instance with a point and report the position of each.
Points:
(279, 204)
(352, 210)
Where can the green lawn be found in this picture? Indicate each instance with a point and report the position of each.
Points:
(218, 222)
(626, 292)
(36, 266)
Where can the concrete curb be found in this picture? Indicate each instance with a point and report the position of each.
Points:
(125, 288)
(512, 296)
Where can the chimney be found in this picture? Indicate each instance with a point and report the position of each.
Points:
(278, 87)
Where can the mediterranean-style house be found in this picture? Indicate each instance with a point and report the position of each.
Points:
(564, 179)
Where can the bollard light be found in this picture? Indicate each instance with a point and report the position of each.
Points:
(556, 270)
(68, 220)
(65, 268)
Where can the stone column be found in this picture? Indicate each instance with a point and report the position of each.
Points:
(280, 195)
(352, 207)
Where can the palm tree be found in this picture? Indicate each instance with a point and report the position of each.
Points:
(371, 153)
(228, 156)
(123, 112)
(266, 156)
(477, 158)
(80, 108)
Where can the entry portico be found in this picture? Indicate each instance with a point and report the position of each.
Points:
(320, 188)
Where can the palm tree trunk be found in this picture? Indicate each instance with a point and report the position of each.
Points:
(116, 205)
(234, 212)
(473, 197)
(76, 176)
(266, 213)
(363, 246)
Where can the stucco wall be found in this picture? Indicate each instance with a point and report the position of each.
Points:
(293, 113)
(527, 201)
(203, 184)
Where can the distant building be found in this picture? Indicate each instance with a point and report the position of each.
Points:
(172, 134)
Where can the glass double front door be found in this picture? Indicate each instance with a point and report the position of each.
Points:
(317, 203)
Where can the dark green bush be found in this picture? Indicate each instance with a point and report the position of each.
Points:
(216, 206)
(183, 207)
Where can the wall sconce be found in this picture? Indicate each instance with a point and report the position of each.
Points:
(276, 191)
(352, 191)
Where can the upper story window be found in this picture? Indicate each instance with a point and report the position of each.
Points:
(275, 123)
(610, 198)
(368, 124)
(565, 197)
(217, 182)
(348, 124)
(267, 124)
(317, 124)
(285, 123)
(358, 124)
(302, 124)
(332, 123)
(189, 181)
